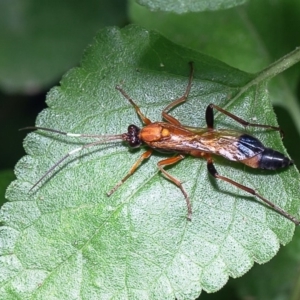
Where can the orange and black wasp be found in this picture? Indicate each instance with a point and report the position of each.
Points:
(170, 136)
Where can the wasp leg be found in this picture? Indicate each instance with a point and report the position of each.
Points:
(144, 156)
(136, 107)
(178, 101)
(171, 161)
(210, 119)
(212, 170)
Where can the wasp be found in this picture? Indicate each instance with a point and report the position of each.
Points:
(170, 136)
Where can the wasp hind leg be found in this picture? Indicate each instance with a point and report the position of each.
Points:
(212, 170)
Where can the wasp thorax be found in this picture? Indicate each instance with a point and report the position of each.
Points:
(132, 136)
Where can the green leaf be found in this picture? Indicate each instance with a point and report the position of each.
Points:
(40, 41)
(68, 239)
(184, 6)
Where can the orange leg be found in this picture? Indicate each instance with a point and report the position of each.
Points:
(178, 101)
(137, 109)
(144, 156)
(171, 161)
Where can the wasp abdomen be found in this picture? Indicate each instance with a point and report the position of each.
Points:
(258, 156)
(272, 160)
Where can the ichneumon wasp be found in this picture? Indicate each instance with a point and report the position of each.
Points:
(170, 136)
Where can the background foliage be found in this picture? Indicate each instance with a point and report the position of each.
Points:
(41, 43)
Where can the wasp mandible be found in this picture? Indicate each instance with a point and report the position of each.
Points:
(172, 137)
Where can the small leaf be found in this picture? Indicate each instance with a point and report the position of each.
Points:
(184, 6)
(67, 239)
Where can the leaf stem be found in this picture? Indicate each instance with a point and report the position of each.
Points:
(279, 66)
(272, 70)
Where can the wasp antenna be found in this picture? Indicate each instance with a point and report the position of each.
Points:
(72, 152)
(50, 170)
(43, 128)
(84, 135)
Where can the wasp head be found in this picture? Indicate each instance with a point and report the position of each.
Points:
(132, 137)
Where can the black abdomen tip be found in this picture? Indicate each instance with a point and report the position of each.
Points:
(273, 160)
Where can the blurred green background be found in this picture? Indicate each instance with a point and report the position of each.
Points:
(40, 42)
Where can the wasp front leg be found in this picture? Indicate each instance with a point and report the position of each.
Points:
(145, 120)
(144, 156)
